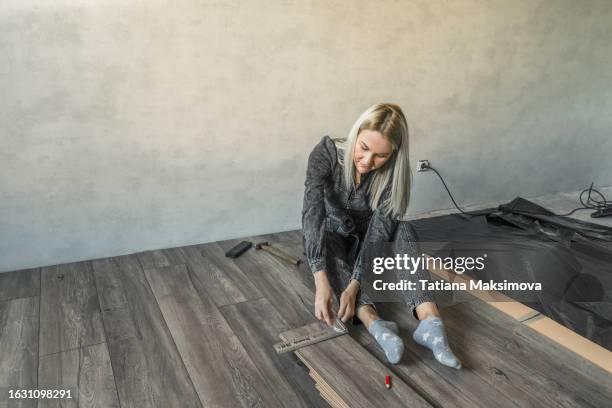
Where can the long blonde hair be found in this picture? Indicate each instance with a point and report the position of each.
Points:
(389, 120)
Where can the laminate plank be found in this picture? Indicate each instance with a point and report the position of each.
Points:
(327, 392)
(291, 243)
(494, 367)
(207, 344)
(85, 371)
(477, 382)
(292, 239)
(293, 301)
(18, 349)
(159, 258)
(257, 325)
(355, 375)
(538, 366)
(147, 366)
(487, 343)
(416, 372)
(69, 310)
(115, 303)
(225, 285)
(19, 284)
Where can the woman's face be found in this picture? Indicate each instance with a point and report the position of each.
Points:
(372, 150)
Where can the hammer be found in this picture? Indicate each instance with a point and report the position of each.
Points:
(278, 253)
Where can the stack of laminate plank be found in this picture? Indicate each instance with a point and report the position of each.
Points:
(347, 375)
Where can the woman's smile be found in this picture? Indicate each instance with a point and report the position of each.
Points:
(363, 168)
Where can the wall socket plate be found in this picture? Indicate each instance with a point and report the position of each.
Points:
(423, 165)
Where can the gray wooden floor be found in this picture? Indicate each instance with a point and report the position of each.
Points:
(187, 327)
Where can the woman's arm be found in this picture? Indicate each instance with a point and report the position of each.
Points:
(313, 226)
(313, 211)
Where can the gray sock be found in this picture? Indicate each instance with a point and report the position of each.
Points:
(430, 333)
(386, 334)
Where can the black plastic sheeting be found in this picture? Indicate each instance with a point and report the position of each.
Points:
(527, 243)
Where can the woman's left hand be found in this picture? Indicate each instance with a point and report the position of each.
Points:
(348, 300)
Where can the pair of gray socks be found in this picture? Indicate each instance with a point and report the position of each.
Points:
(429, 333)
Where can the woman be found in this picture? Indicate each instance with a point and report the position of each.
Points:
(358, 189)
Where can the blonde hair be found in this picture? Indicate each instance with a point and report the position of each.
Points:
(389, 120)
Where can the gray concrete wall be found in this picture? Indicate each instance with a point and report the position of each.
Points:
(133, 125)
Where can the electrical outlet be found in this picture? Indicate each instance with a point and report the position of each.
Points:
(423, 165)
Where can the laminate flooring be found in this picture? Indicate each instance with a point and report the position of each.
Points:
(188, 327)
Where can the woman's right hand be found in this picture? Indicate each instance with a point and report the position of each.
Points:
(323, 298)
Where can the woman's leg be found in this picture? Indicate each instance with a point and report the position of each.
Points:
(385, 333)
(340, 271)
(426, 309)
(367, 314)
(431, 334)
(430, 331)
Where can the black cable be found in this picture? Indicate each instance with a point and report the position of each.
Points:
(481, 212)
(591, 203)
